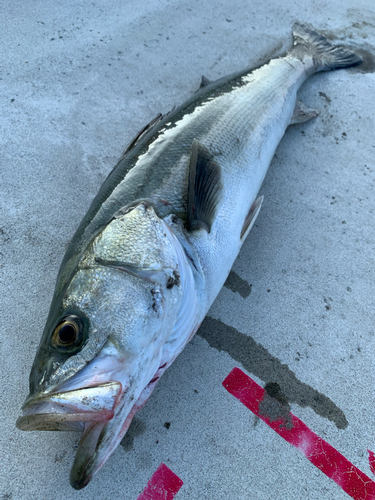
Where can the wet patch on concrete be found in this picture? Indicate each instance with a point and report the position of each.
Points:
(365, 50)
(279, 379)
(368, 64)
(137, 428)
(237, 284)
(275, 405)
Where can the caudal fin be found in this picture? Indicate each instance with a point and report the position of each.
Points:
(326, 55)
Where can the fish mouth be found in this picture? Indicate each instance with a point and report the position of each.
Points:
(100, 412)
(87, 409)
(70, 410)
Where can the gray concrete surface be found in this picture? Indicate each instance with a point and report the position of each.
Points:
(77, 80)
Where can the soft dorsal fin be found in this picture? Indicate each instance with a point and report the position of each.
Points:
(137, 137)
(303, 114)
(205, 81)
(251, 217)
(204, 187)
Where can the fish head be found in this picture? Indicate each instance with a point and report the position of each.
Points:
(104, 346)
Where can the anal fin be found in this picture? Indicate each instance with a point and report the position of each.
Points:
(303, 114)
(204, 188)
(251, 217)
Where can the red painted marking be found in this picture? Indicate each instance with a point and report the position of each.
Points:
(320, 453)
(164, 485)
(371, 460)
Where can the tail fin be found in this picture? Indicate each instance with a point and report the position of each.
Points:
(326, 56)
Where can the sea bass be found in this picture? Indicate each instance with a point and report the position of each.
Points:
(156, 246)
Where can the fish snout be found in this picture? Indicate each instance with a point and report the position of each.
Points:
(72, 409)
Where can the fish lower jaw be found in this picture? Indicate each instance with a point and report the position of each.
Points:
(100, 439)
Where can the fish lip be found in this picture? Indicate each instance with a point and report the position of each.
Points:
(69, 410)
(60, 421)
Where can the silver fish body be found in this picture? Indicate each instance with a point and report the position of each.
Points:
(156, 246)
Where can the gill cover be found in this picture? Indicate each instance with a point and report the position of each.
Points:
(137, 241)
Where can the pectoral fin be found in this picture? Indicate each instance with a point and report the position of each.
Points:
(204, 188)
(303, 114)
(251, 217)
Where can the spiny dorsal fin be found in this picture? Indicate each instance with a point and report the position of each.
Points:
(251, 217)
(137, 137)
(204, 188)
(303, 114)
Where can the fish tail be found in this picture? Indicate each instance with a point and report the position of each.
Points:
(326, 56)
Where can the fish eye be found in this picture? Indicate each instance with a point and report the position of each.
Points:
(68, 334)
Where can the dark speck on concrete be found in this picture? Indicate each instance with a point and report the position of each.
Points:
(137, 428)
(167, 425)
(59, 457)
(237, 284)
(257, 360)
(327, 304)
(323, 94)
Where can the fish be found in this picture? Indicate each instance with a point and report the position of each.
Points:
(156, 246)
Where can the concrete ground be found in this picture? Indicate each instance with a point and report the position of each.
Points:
(77, 80)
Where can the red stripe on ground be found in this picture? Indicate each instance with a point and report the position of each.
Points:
(164, 485)
(371, 460)
(320, 453)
